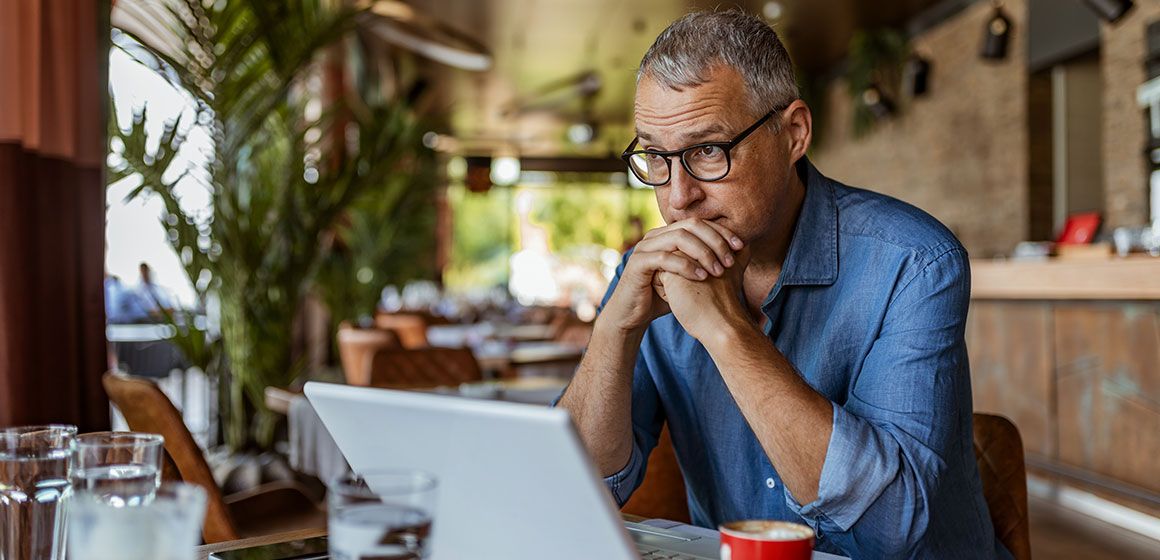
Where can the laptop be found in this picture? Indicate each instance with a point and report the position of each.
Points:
(515, 481)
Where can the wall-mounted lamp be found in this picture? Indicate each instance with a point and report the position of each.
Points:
(916, 75)
(996, 35)
(879, 105)
(1110, 10)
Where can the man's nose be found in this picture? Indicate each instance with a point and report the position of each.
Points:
(684, 189)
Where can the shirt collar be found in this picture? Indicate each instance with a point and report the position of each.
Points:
(812, 258)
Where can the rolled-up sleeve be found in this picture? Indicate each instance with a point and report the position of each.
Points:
(623, 483)
(907, 413)
(647, 420)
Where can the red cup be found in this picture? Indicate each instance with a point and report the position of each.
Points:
(766, 540)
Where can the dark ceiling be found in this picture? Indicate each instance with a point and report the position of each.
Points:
(541, 43)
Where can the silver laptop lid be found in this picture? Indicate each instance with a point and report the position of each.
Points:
(514, 480)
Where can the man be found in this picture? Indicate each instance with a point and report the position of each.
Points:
(802, 339)
(152, 299)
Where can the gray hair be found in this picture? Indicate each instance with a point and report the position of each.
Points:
(686, 52)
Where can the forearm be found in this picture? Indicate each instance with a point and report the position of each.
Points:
(792, 422)
(599, 397)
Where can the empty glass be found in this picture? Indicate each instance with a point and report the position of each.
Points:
(34, 490)
(381, 514)
(122, 468)
(168, 527)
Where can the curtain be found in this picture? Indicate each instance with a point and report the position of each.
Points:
(53, 105)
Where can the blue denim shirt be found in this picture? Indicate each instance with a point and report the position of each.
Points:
(870, 308)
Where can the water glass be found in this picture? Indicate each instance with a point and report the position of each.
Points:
(381, 514)
(34, 491)
(122, 468)
(168, 527)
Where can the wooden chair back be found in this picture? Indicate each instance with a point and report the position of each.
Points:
(423, 367)
(410, 328)
(999, 455)
(662, 494)
(147, 409)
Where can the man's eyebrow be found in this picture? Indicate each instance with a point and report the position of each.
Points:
(691, 137)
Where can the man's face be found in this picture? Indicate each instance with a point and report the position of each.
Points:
(746, 200)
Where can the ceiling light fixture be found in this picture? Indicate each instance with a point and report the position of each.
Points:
(400, 25)
(581, 133)
(1110, 10)
(772, 11)
(505, 171)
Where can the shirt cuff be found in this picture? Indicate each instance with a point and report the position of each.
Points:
(859, 465)
(623, 483)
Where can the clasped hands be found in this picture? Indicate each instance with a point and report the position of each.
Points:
(692, 268)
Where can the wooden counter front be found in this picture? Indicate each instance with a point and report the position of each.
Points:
(1132, 278)
(1070, 351)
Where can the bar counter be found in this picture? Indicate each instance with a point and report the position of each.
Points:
(1113, 278)
(1070, 351)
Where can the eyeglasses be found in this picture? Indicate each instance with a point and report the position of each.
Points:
(707, 162)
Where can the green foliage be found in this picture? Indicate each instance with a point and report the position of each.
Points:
(581, 215)
(576, 216)
(275, 193)
(386, 237)
(876, 57)
(482, 234)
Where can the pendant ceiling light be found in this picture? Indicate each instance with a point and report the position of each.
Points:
(400, 25)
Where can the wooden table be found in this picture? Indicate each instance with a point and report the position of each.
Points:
(528, 354)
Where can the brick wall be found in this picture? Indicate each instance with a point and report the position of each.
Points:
(1122, 50)
(961, 151)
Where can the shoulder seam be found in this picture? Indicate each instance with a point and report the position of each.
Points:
(947, 248)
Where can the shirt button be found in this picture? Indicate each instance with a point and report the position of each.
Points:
(771, 483)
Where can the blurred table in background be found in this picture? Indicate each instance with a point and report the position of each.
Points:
(530, 359)
(145, 350)
(312, 451)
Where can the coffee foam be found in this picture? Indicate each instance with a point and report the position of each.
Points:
(769, 530)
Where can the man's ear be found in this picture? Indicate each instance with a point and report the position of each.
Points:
(798, 125)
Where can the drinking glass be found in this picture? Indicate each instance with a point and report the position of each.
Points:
(381, 514)
(168, 527)
(123, 468)
(34, 491)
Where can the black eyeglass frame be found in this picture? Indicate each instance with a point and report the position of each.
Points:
(726, 147)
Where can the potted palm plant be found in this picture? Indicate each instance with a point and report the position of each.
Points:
(279, 179)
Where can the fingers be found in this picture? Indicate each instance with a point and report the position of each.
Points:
(734, 241)
(644, 265)
(710, 245)
(659, 287)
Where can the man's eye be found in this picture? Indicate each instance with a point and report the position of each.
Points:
(710, 151)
